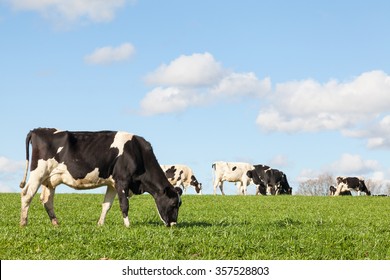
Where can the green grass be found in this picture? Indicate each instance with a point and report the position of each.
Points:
(210, 227)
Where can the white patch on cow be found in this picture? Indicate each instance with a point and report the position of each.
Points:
(342, 187)
(59, 150)
(57, 131)
(160, 216)
(120, 140)
(126, 221)
(50, 172)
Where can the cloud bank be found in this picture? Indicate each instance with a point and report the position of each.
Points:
(348, 165)
(195, 80)
(357, 108)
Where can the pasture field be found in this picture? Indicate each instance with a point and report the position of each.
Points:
(210, 227)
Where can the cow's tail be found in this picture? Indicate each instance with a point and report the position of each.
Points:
(213, 172)
(28, 140)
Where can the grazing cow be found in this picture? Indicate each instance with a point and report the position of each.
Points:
(123, 162)
(231, 172)
(269, 180)
(182, 175)
(332, 191)
(351, 183)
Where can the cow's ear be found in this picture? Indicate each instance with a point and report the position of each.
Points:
(249, 174)
(179, 190)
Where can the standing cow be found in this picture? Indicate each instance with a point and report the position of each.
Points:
(350, 183)
(269, 180)
(231, 172)
(182, 175)
(123, 162)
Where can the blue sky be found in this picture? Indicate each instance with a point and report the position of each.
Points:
(303, 86)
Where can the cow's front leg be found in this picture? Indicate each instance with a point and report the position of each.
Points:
(108, 200)
(123, 193)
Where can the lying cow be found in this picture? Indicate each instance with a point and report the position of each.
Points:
(182, 175)
(350, 183)
(269, 180)
(231, 172)
(332, 191)
(123, 162)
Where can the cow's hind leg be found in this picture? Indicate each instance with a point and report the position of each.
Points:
(27, 195)
(47, 199)
(108, 200)
(221, 188)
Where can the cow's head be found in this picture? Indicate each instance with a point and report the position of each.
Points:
(284, 186)
(168, 203)
(363, 187)
(254, 176)
(332, 190)
(196, 184)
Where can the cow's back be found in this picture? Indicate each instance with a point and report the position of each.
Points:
(81, 152)
(231, 171)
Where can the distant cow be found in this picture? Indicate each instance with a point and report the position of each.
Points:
(351, 183)
(231, 172)
(123, 162)
(269, 180)
(332, 191)
(181, 175)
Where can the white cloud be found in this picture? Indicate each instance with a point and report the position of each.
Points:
(353, 165)
(167, 100)
(354, 107)
(195, 80)
(347, 165)
(10, 166)
(70, 10)
(192, 70)
(242, 84)
(107, 55)
(10, 172)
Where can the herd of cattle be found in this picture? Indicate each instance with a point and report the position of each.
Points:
(268, 181)
(126, 164)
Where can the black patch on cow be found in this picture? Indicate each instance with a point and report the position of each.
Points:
(194, 182)
(234, 168)
(170, 172)
(81, 152)
(180, 174)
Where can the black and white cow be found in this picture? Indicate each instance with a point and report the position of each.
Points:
(123, 162)
(333, 189)
(269, 180)
(231, 172)
(351, 183)
(182, 175)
